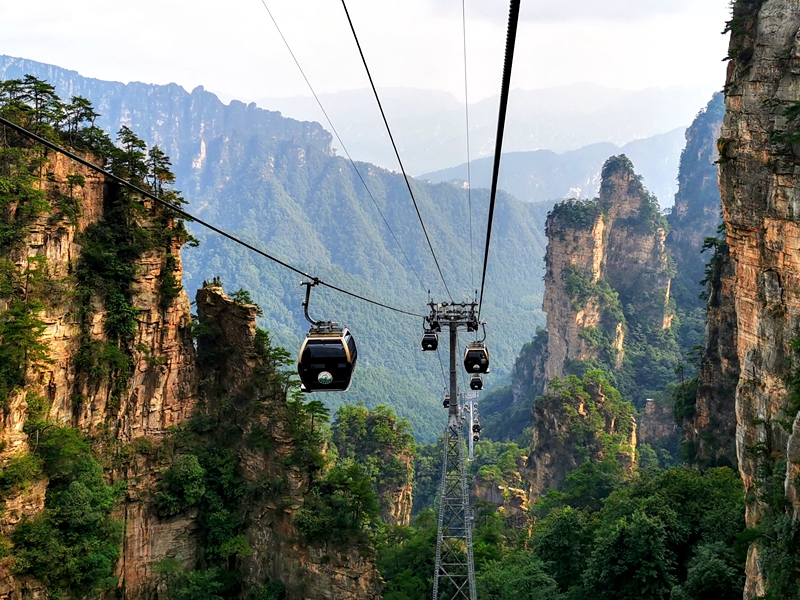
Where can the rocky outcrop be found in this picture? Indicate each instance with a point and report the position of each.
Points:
(577, 422)
(709, 419)
(231, 368)
(510, 501)
(760, 189)
(656, 424)
(658, 430)
(577, 249)
(696, 214)
(397, 498)
(607, 274)
(703, 288)
(160, 392)
(131, 414)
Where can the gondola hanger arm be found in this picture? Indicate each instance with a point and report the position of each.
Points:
(309, 284)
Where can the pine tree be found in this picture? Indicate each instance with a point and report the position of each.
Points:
(129, 161)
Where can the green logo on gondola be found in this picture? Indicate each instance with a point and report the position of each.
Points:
(325, 378)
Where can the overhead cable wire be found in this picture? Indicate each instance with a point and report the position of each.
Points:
(441, 364)
(511, 38)
(394, 145)
(469, 166)
(182, 213)
(338, 137)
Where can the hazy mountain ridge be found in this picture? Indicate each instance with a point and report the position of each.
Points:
(544, 175)
(276, 183)
(429, 126)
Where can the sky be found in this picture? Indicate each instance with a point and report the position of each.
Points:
(233, 49)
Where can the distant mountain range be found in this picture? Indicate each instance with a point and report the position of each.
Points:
(543, 175)
(276, 183)
(429, 126)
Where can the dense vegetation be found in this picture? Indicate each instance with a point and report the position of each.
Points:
(577, 214)
(71, 546)
(279, 184)
(675, 533)
(379, 444)
(344, 491)
(655, 533)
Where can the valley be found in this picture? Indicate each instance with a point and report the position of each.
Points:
(639, 434)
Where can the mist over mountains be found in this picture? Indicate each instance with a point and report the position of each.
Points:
(429, 126)
(543, 175)
(277, 183)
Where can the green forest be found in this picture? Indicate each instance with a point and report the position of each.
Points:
(655, 527)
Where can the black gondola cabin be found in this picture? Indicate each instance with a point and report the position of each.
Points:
(476, 358)
(476, 383)
(327, 359)
(430, 341)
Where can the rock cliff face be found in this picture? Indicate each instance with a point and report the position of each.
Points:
(760, 183)
(160, 392)
(130, 414)
(707, 413)
(607, 275)
(657, 424)
(232, 369)
(709, 421)
(696, 214)
(397, 498)
(577, 422)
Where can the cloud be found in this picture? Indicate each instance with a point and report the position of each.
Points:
(573, 10)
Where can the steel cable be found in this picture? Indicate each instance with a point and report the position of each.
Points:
(396, 152)
(182, 213)
(513, 18)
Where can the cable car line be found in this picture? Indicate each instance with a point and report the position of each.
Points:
(336, 133)
(394, 145)
(513, 18)
(441, 364)
(182, 213)
(469, 167)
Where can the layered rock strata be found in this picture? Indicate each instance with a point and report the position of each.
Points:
(606, 271)
(134, 416)
(760, 189)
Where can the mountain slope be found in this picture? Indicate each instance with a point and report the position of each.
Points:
(277, 183)
(543, 175)
(429, 126)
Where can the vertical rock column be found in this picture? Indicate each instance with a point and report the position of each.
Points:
(760, 188)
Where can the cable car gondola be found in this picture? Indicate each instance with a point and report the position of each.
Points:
(476, 383)
(328, 355)
(446, 402)
(476, 358)
(430, 341)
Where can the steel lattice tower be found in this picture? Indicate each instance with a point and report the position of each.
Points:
(454, 578)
